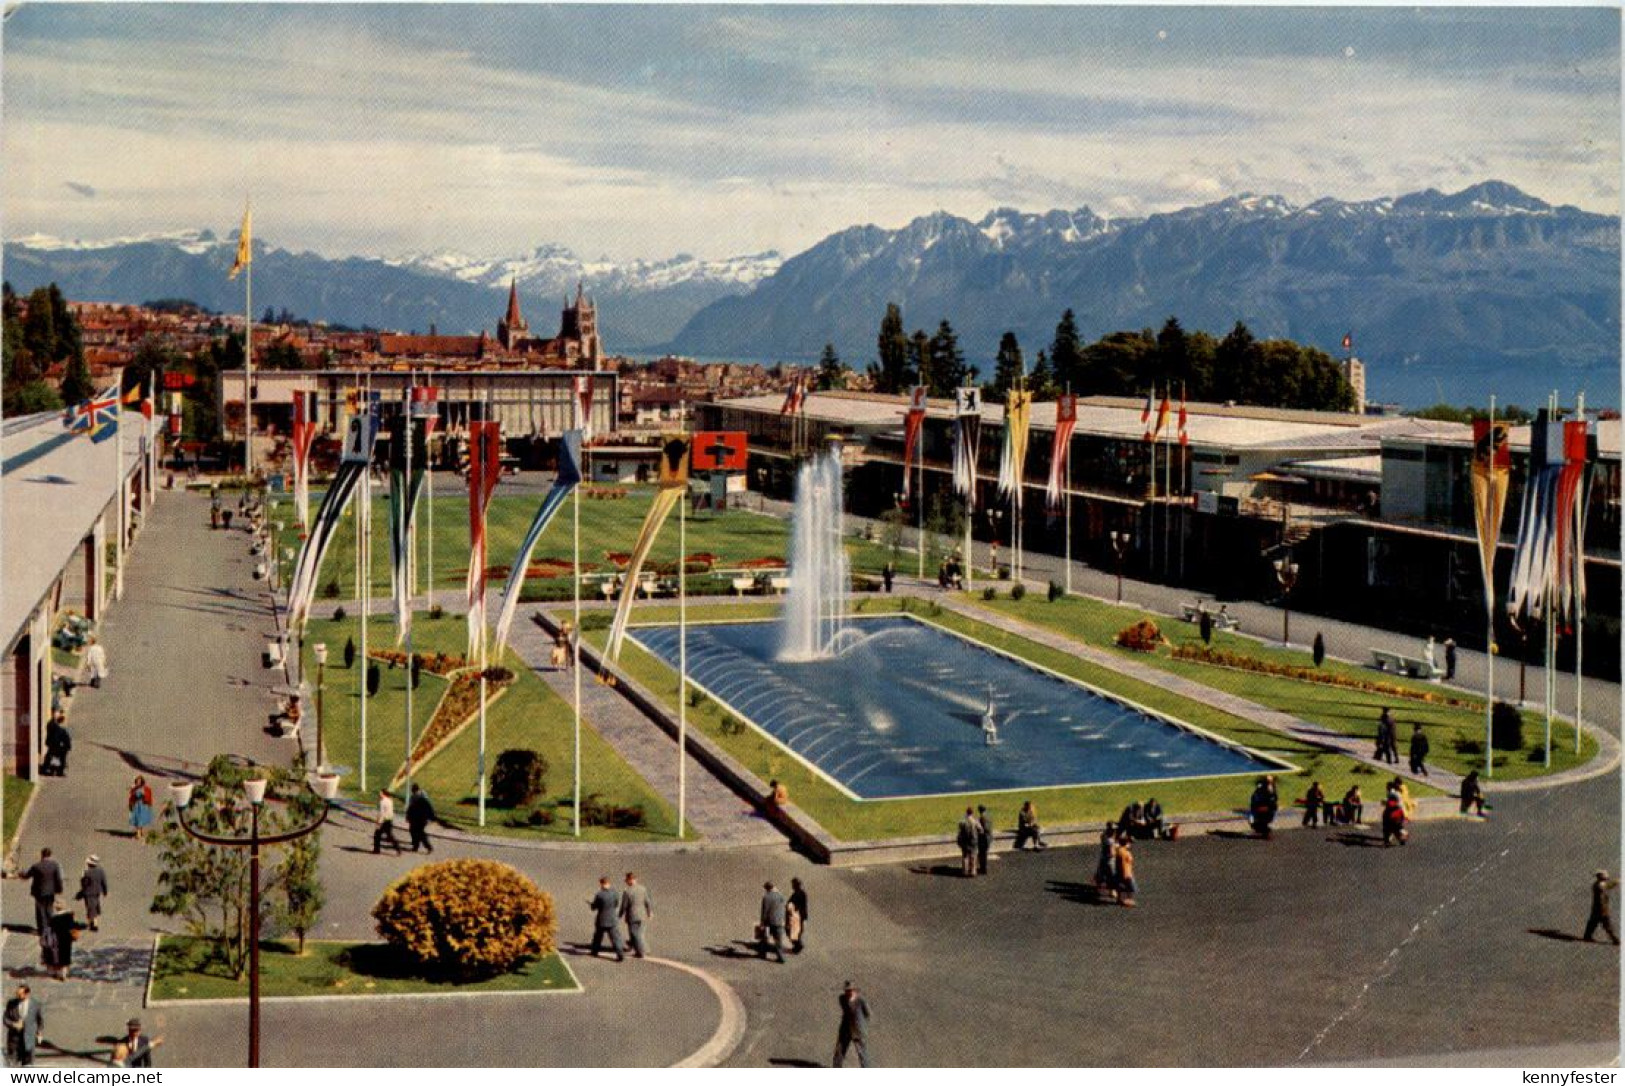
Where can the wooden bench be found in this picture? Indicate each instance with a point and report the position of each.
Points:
(1414, 666)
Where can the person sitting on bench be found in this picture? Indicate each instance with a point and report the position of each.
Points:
(1153, 818)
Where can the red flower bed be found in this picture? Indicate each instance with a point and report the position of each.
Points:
(1143, 636)
(762, 563)
(458, 706)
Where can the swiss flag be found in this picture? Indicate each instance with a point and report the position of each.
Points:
(719, 450)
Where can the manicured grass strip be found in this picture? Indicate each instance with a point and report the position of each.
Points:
(850, 820)
(529, 716)
(1456, 734)
(184, 969)
(16, 801)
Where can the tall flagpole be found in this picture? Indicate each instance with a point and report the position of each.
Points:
(575, 648)
(428, 471)
(682, 658)
(248, 359)
(1551, 622)
(919, 496)
(1066, 499)
(1579, 586)
(402, 527)
(363, 535)
(1152, 422)
(1167, 487)
(123, 496)
(1489, 614)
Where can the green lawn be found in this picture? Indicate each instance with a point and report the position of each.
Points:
(17, 792)
(607, 525)
(527, 716)
(1351, 711)
(849, 819)
(183, 970)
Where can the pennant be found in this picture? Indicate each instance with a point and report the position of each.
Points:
(1184, 438)
(673, 487)
(426, 406)
(134, 398)
(1348, 341)
(912, 421)
(1567, 512)
(720, 450)
(795, 398)
(1012, 462)
(1538, 570)
(967, 439)
(353, 464)
(484, 472)
(1163, 411)
(245, 246)
(406, 471)
(304, 433)
(583, 386)
(1145, 414)
(1492, 466)
(1066, 420)
(564, 483)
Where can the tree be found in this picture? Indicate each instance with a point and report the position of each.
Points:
(831, 372)
(946, 361)
(1008, 367)
(1042, 379)
(1066, 355)
(153, 358)
(1119, 364)
(518, 777)
(283, 355)
(1233, 363)
(76, 384)
(891, 371)
(208, 887)
(1173, 358)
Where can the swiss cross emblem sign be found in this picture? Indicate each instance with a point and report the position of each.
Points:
(719, 450)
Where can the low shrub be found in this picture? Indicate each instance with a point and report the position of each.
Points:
(330, 590)
(990, 593)
(1056, 591)
(466, 919)
(1018, 590)
(437, 612)
(1506, 727)
(1142, 636)
(596, 812)
(1004, 573)
(519, 777)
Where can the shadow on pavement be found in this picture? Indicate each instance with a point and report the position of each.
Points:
(739, 949)
(949, 871)
(1084, 893)
(784, 1061)
(1553, 933)
(1357, 840)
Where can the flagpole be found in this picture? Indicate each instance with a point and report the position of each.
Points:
(682, 657)
(1152, 422)
(363, 535)
(403, 526)
(919, 497)
(575, 661)
(428, 471)
(149, 411)
(119, 476)
(1167, 489)
(1066, 498)
(248, 359)
(1579, 586)
(1551, 623)
(1489, 615)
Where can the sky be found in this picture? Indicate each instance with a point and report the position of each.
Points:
(643, 132)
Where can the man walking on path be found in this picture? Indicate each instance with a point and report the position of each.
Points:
(606, 919)
(96, 662)
(57, 745)
(798, 901)
(636, 908)
(419, 813)
(984, 839)
(1601, 911)
(854, 1030)
(1419, 750)
(772, 921)
(92, 888)
(1387, 738)
(1449, 658)
(25, 1026)
(969, 831)
(134, 1049)
(44, 884)
(386, 824)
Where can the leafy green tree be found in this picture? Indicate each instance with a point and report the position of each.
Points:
(1066, 355)
(154, 357)
(30, 397)
(283, 356)
(892, 371)
(1008, 368)
(832, 373)
(1119, 364)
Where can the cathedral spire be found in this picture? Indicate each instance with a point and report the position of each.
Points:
(513, 318)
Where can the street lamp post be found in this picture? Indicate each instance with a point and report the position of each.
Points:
(320, 652)
(326, 787)
(1119, 549)
(1286, 572)
(995, 518)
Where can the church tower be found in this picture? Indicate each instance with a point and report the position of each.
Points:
(580, 323)
(512, 327)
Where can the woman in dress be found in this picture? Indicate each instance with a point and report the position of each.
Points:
(140, 808)
(1106, 866)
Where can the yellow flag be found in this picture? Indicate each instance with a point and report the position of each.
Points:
(674, 461)
(245, 246)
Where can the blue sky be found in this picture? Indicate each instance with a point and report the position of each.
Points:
(646, 131)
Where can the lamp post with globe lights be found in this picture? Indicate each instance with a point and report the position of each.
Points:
(1286, 572)
(324, 786)
(1120, 541)
(319, 650)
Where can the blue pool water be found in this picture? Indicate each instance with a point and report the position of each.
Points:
(898, 712)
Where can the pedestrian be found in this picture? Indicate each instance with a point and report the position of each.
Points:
(1429, 657)
(853, 1034)
(214, 510)
(1313, 801)
(140, 805)
(1393, 821)
(95, 661)
(57, 952)
(969, 830)
(134, 1049)
(44, 884)
(1387, 737)
(1419, 750)
(1126, 886)
(1027, 828)
(57, 745)
(636, 910)
(25, 1027)
(771, 922)
(1353, 805)
(1602, 914)
(1449, 658)
(92, 888)
(798, 902)
(1472, 794)
(419, 813)
(385, 829)
(1106, 866)
(225, 519)
(1262, 806)
(984, 839)
(887, 575)
(606, 919)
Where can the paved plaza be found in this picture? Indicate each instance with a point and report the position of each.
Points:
(1318, 947)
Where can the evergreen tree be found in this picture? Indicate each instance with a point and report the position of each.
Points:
(1042, 379)
(76, 383)
(1173, 357)
(1008, 368)
(890, 372)
(1234, 362)
(831, 372)
(919, 359)
(1066, 354)
(948, 369)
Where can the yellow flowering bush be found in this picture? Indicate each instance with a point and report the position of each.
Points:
(467, 919)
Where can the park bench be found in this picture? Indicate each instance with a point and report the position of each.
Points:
(779, 584)
(1222, 620)
(742, 585)
(1414, 666)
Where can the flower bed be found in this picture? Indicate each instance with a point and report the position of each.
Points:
(437, 663)
(762, 563)
(1203, 654)
(458, 707)
(1143, 636)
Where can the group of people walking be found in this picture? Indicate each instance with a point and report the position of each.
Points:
(632, 905)
(1388, 743)
(1114, 870)
(56, 924)
(419, 813)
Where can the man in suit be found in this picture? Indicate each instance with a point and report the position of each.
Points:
(969, 830)
(798, 902)
(25, 1026)
(58, 742)
(635, 909)
(92, 888)
(419, 813)
(984, 839)
(606, 919)
(854, 1031)
(135, 1049)
(385, 829)
(772, 921)
(45, 883)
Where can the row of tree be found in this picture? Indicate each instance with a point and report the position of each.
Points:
(1238, 368)
(41, 332)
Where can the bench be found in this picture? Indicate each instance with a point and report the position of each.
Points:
(1222, 620)
(779, 584)
(743, 585)
(1414, 666)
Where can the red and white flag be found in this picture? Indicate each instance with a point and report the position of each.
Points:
(1145, 413)
(1066, 420)
(304, 432)
(1184, 438)
(795, 399)
(912, 421)
(484, 471)
(583, 387)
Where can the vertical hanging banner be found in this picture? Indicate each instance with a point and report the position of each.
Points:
(1570, 518)
(484, 472)
(408, 453)
(674, 451)
(1535, 553)
(353, 464)
(1066, 420)
(794, 398)
(304, 432)
(1013, 461)
(1184, 438)
(564, 483)
(1145, 413)
(1492, 467)
(967, 441)
(583, 388)
(912, 421)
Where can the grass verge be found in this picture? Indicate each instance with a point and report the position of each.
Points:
(17, 793)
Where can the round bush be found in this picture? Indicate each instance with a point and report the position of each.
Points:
(467, 919)
(1017, 590)
(518, 777)
(1506, 727)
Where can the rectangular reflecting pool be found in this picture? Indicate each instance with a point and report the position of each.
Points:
(900, 711)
